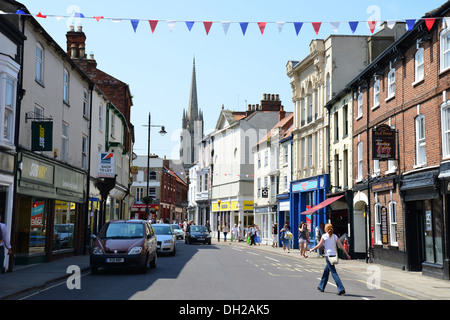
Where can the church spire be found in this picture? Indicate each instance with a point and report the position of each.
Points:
(193, 103)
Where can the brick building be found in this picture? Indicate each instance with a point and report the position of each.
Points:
(404, 92)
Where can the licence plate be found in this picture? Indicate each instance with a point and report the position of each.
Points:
(114, 260)
(201, 239)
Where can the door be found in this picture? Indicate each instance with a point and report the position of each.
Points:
(415, 234)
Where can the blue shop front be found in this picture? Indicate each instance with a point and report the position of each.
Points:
(304, 195)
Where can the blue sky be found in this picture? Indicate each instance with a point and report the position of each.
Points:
(232, 69)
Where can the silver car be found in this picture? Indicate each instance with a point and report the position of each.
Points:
(166, 239)
(179, 233)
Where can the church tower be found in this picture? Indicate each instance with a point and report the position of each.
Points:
(192, 126)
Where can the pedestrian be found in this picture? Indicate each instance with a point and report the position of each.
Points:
(4, 244)
(225, 231)
(318, 235)
(303, 239)
(331, 242)
(257, 235)
(252, 234)
(208, 226)
(275, 235)
(240, 231)
(235, 233)
(285, 236)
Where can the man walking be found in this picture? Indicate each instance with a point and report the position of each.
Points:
(4, 244)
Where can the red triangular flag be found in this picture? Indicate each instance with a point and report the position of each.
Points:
(153, 24)
(40, 15)
(372, 25)
(207, 25)
(262, 26)
(316, 26)
(98, 18)
(429, 22)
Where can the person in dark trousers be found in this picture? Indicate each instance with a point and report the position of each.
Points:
(331, 242)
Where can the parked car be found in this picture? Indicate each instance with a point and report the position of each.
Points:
(197, 234)
(166, 239)
(124, 243)
(179, 233)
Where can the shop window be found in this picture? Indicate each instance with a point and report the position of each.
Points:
(433, 232)
(393, 223)
(64, 222)
(377, 223)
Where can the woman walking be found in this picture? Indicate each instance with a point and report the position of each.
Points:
(303, 239)
(285, 236)
(330, 241)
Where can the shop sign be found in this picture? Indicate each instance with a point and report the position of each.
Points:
(306, 185)
(383, 143)
(384, 226)
(42, 136)
(106, 165)
(69, 180)
(36, 170)
(383, 186)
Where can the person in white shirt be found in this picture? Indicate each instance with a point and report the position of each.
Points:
(330, 241)
(4, 244)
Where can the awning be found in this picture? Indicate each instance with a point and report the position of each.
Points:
(323, 204)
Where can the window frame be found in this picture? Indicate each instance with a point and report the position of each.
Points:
(65, 135)
(393, 226)
(444, 38)
(360, 105)
(445, 128)
(420, 141)
(359, 162)
(376, 94)
(66, 86)
(419, 64)
(85, 103)
(84, 152)
(377, 224)
(39, 64)
(391, 83)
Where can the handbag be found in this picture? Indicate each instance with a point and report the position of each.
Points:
(333, 260)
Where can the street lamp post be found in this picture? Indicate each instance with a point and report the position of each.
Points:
(162, 132)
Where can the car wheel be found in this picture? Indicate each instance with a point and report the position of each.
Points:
(174, 251)
(153, 262)
(144, 268)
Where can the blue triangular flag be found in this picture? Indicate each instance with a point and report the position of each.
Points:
(298, 26)
(189, 24)
(244, 26)
(134, 23)
(20, 12)
(78, 15)
(410, 23)
(353, 25)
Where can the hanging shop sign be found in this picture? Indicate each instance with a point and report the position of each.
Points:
(42, 136)
(383, 143)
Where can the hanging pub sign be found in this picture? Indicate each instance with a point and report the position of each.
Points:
(42, 136)
(383, 143)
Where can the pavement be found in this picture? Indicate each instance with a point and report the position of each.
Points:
(407, 284)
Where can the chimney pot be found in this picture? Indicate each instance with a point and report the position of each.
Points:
(273, 97)
(72, 28)
(80, 29)
(249, 107)
(73, 50)
(277, 97)
(265, 96)
(82, 55)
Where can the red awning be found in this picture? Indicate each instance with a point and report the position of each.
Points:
(323, 204)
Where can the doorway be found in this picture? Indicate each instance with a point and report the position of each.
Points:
(415, 234)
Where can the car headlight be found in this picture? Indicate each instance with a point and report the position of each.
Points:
(168, 241)
(135, 250)
(97, 250)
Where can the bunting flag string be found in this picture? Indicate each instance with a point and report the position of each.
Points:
(410, 23)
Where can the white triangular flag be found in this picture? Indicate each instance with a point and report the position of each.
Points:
(225, 26)
(335, 26)
(280, 26)
(390, 23)
(171, 24)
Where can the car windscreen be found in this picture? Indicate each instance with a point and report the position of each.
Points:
(162, 230)
(175, 226)
(198, 228)
(122, 231)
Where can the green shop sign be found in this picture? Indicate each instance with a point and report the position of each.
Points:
(42, 136)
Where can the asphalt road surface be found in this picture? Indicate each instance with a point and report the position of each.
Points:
(216, 273)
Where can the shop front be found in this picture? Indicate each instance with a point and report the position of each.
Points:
(6, 193)
(265, 217)
(50, 210)
(231, 211)
(424, 223)
(284, 212)
(138, 211)
(304, 195)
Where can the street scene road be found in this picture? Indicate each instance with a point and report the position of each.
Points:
(221, 271)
